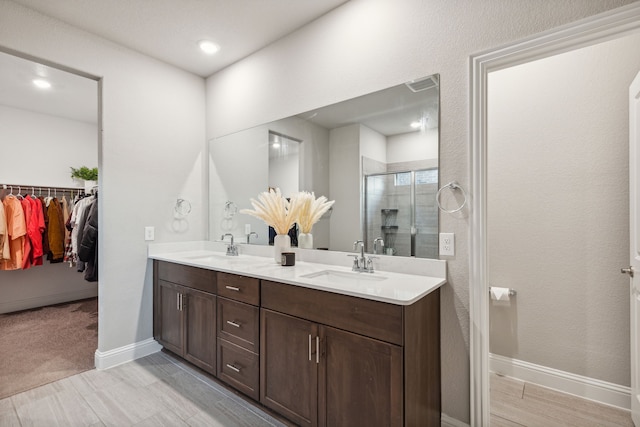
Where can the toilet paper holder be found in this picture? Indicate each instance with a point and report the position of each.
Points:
(512, 292)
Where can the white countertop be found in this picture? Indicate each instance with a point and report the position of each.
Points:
(386, 286)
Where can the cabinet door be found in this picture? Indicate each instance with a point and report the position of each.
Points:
(360, 381)
(200, 344)
(170, 317)
(288, 368)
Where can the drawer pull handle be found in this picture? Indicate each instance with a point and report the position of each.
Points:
(309, 347)
(233, 288)
(317, 349)
(233, 368)
(237, 325)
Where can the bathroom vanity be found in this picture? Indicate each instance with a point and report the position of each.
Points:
(316, 343)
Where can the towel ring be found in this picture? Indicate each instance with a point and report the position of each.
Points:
(454, 186)
(182, 208)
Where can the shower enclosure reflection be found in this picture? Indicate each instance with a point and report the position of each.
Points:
(399, 209)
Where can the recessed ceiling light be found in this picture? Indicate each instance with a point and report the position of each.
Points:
(416, 125)
(276, 145)
(42, 84)
(208, 47)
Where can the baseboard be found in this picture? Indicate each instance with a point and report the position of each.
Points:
(45, 300)
(447, 421)
(585, 387)
(118, 356)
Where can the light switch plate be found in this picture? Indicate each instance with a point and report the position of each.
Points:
(447, 244)
(149, 233)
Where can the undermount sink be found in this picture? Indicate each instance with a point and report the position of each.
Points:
(208, 258)
(344, 277)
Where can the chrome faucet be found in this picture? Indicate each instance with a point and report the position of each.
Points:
(361, 263)
(253, 233)
(232, 250)
(375, 245)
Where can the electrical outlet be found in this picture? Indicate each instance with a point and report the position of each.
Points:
(149, 233)
(447, 244)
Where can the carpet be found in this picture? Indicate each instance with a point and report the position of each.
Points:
(43, 345)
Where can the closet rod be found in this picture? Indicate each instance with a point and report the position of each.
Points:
(38, 189)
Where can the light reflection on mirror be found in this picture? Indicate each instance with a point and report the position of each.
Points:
(375, 155)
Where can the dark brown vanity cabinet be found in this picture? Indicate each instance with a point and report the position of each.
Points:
(185, 312)
(329, 359)
(318, 358)
(239, 333)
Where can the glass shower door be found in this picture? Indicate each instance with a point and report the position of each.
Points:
(400, 209)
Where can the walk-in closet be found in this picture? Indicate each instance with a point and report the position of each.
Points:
(48, 223)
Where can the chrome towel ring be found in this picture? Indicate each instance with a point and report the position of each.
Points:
(454, 186)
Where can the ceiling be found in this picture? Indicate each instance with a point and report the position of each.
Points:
(169, 30)
(389, 111)
(70, 96)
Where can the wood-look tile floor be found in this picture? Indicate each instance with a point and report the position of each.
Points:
(515, 403)
(154, 391)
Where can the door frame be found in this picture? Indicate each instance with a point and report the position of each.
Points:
(590, 31)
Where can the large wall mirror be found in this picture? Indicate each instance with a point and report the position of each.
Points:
(375, 155)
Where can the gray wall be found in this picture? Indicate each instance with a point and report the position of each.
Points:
(366, 45)
(558, 209)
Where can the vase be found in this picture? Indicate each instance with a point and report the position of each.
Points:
(305, 241)
(281, 243)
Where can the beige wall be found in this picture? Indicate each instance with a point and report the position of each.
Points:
(366, 45)
(558, 209)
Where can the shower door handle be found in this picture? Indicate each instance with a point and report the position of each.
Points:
(414, 231)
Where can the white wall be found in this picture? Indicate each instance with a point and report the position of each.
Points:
(372, 145)
(54, 144)
(151, 154)
(367, 45)
(344, 179)
(558, 209)
(410, 146)
(239, 171)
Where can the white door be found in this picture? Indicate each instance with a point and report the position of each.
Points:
(634, 188)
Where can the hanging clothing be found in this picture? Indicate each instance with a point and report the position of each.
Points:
(88, 249)
(65, 216)
(55, 231)
(78, 219)
(38, 229)
(45, 233)
(26, 242)
(16, 229)
(4, 235)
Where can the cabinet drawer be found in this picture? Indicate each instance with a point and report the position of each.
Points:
(373, 319)
(239, 288)
(239, 323)
(193, 277)
(239, 368)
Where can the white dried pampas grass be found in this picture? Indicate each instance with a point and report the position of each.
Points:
(311, 209)
(275, 210)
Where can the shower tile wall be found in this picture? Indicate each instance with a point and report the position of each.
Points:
(426, 221)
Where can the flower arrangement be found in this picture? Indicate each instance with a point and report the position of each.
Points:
(275, 210)
(280, 213)
(311, 209)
